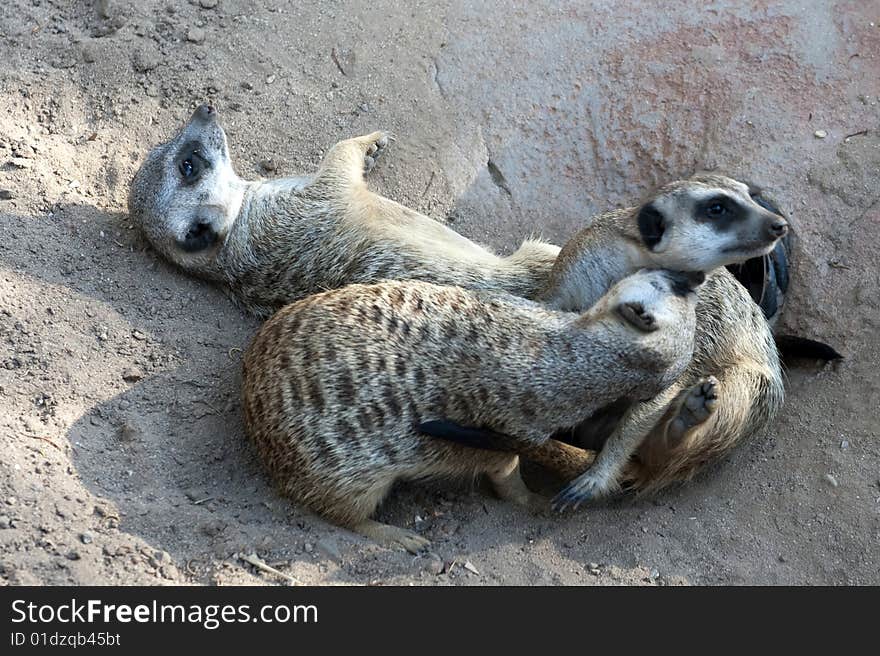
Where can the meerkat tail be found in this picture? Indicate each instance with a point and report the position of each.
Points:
(791, 346)
(476, 438)
(566, 461)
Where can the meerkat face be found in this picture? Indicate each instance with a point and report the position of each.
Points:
(653, 311)
(653, 299)
(186, 195)
(706, 222)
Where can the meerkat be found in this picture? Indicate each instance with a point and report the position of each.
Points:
(733, 386)
(268, 243)
(335, 385)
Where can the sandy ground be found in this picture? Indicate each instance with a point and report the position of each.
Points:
(123, 456)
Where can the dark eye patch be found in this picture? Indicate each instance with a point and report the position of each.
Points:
(721, 211)
(191, 162)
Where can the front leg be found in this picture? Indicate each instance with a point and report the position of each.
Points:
(604, 476)
(347, 161)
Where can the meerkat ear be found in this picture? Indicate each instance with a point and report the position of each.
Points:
(652, 225)
(638, 316)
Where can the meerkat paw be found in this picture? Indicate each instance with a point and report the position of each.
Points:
(509, 486)
(587, 487)
(697, 405)
(391, 536)
(378, 142)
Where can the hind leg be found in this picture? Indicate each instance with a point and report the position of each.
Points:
(509, 485)
(692, 407)
(745, 399)
(353, 509)
(348, 160)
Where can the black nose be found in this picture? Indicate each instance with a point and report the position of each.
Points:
(205, 113)
(777, 229)
(200, 236)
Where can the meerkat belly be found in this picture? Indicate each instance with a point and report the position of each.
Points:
(731, 330)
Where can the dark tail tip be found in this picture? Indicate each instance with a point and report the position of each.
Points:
(791, 346)
(477, 438)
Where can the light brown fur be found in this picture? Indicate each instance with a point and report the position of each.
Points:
(278, 241)
(335, 385)
(732, 387)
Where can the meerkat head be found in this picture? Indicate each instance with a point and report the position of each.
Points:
(706, 222)
(652, 315)
(186, 195)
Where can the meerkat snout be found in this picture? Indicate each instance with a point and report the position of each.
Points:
(777, 229)
(205, 113)
(201, 235)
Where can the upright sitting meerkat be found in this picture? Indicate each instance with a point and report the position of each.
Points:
(271, 242)
(733, 385)
(335, 385)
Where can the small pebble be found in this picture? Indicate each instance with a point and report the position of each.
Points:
(830, 478)
(195, 35)
(146, 59)
(309, 547)
(105, 8)
(820, 134)
(270, 79)
(844, 444)
(89, 52)
(5, 194)
(132, 374)
(73, 555)
(433, 564)
(5, 522)
(269, 165)
(86, 538)
(330, 549)
(129, 432)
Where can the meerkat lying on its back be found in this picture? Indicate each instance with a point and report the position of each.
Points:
(272, 242)
(335, 385)
(732, 387)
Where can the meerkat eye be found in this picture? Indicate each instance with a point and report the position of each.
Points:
(192, 165)
(716, 209)
(187, 168)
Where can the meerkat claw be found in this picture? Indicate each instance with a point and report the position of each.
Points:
(581, 490)
(374, 151)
